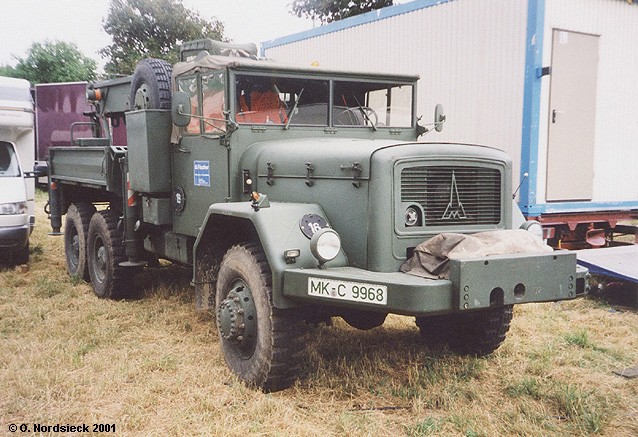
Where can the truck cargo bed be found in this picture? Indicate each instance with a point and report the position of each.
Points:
(87, 165)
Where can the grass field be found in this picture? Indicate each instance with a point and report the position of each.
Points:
(152, 366)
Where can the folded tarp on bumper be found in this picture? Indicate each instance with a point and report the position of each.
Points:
(431, 259)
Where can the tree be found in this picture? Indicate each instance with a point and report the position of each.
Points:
(151, 28)
(51, 62)
(327, 11)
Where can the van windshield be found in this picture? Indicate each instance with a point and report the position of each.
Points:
(9, 167)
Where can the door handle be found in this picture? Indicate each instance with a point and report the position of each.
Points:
(554, 112)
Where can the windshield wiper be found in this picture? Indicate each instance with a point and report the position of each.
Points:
(365, 114)
(294, 108)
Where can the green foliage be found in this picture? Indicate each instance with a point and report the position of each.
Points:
(327, 11)
(151, 28)
(52, 62)
(8, 71)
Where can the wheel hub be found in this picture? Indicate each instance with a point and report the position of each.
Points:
(142, 97)
(75, 250)
(100, 263)
(236, 318)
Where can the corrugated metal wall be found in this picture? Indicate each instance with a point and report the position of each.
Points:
(471, 58)
(616, 136)
(470, 55)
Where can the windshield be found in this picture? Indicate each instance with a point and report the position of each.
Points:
(8, 161)
(372, 104)
(291, 101)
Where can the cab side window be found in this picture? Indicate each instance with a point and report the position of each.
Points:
(207, 102)
(213, 105)
(189, 85)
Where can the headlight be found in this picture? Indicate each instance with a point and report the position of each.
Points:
(412, 216)
(534, 227)
(325, 245)
(13, 208)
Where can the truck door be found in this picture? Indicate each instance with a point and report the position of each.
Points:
(572, 116)
(200, 160)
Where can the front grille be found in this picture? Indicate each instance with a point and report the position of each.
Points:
(454, 195)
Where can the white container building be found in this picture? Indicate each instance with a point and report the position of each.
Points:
(551, 82)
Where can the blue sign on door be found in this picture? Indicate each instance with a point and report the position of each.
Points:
(201, 171)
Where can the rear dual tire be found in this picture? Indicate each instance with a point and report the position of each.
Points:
(105, 252)
(76, 229)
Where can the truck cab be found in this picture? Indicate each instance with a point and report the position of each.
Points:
(17, 191)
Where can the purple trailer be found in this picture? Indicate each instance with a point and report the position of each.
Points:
(63, 115)
(60, 115)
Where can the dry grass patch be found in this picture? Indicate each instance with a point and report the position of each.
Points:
(152, 366)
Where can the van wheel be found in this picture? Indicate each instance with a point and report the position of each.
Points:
(260, 343)
(105, 253)
(76, 229)
(151, 85)
(477, 333)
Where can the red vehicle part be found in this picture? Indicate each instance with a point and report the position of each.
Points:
(586, 230)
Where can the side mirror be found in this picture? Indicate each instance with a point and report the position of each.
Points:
(38, 171)
(181, 109)
(439, 117)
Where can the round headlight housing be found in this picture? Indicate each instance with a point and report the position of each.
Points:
(533, 227)
(325, 245)
(411, 216)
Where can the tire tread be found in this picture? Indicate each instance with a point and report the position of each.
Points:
(279, 370)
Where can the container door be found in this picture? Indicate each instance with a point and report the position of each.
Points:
(572, 116)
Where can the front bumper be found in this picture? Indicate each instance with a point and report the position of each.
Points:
(14, 237)
(473, 284)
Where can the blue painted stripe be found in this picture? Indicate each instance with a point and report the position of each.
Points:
(531, 104)
(335, 26)
(561, 207)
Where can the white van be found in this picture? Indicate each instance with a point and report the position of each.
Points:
(17, 154)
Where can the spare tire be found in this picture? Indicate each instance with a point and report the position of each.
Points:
(151, 85)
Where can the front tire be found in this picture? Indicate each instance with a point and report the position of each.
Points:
(105, 253)
(76, 229)
(364, 320)
(477, 333)
(259, 342)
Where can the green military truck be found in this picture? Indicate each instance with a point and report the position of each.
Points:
(296, 194)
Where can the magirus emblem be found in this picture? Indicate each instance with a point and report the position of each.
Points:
(454, 208)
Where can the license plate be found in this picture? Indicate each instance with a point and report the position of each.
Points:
(344, 290)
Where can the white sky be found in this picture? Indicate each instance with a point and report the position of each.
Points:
(24, 22)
